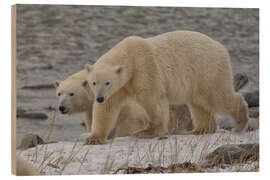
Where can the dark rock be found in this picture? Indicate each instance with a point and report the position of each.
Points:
(83, 124)
(240, 80)
(46, 67)
(252, 98)
(38, 87)
(20, 111)
(233, 153)
(31, 115)
(30, 140)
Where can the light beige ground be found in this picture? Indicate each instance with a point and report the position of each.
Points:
(75, 158)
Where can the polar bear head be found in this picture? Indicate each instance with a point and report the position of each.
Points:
(106, 80)
(72, 96)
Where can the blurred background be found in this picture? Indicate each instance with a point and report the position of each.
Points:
(56, 41)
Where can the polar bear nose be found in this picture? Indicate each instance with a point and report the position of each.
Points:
(100, 99)
(62, 108)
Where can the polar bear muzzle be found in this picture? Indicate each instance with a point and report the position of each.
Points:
(64, 105)
(100, 99)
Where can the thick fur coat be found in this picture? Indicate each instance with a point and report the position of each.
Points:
(180, 67)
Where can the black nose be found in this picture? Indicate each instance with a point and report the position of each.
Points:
(100, 99)
(62, 108)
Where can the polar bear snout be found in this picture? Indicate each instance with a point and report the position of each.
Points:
(62, 109)
(100, 99)
(64, 105)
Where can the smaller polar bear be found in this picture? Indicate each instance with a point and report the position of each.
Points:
(180, 67)
(73, 98)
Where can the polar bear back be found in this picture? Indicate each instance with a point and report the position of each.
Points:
(182, 64)
(190, 62)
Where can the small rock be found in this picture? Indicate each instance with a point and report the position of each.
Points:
(233, 153)
(83, 124)
(38, 87)
(30, 140)
(240, 80)
(46, 67)
(20, 111)
(252, 98)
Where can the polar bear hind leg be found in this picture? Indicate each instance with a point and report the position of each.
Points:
(231, 104)
(239, 112)
(204, 120)
(158, 112)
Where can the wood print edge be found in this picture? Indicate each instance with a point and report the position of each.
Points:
(13, 89)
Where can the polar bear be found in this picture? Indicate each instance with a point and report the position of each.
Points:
(180, 67)
(73, 98)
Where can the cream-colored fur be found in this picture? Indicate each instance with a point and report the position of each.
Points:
(25, 169)
(180, 67)
(131, 118)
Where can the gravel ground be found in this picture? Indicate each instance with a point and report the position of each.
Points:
(56, 41)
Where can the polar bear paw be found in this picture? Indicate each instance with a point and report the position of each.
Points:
(94, 140)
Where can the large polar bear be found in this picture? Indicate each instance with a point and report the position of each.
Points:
(180, 67)
(74, 98)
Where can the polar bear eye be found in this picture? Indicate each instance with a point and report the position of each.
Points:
(59, 94)
(94, 83)
(107, 83)
(71, 94)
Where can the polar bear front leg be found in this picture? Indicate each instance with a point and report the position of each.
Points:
(104, 119)
(88, 119)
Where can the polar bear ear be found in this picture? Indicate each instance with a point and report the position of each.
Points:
(88, 67)
(56, 83)
(119, 69)
(85, 83)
